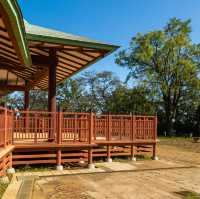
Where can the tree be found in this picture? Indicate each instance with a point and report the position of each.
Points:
(167, 63)
(70, 95)
(38, 100)
(126, 100)
(98, 88)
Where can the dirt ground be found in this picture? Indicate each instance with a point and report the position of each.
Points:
(175, 175)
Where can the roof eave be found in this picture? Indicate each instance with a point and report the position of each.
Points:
(16, 22)
(89, 64)
(78, 43)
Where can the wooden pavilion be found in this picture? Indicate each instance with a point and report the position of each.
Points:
(33, 57)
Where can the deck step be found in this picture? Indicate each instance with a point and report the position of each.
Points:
(26, 188)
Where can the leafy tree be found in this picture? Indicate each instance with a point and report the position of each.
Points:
(38, 100)
(130, 100)
(167, 63)
(98, 88)
(70, 95)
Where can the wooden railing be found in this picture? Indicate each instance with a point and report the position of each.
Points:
(73, 127)
(70, 127)
(125, 127)
(6, 127)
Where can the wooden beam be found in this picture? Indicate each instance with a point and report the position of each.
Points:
(75, 56)
(4, 87)
(41, 60)
(10, 64)
(37, 77)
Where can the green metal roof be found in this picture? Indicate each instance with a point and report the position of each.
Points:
(13, 13)
(38, 33)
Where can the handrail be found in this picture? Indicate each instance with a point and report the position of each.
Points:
(73, 127)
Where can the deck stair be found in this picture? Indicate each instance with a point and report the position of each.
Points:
(26, 188)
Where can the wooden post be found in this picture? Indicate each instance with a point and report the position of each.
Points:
(59, 157)
(133, 132)
(52, 92)
(35, 127)
(59, 135)
(109, 154)
(154, 152)
(132, 151)
(80, 130)
(6, 127)
(26, 99)
(91, 131)
(109, 127)
(109, 159)
(155, 137)
(26, 108)
(155, 128)
(13, 127)
(132, 126)
(90, 156)
(10, 160)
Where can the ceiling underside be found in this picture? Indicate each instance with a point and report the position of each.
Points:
(70, 59)
(8, 61)
(8, 55)
(73, 53)
(9, 80)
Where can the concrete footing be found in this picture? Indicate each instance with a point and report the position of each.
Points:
(11, 170)
(109, 160)
(133, 159)
(155, 158)
(81, 162)
(91, 166)
(59, 168)
(4, 180)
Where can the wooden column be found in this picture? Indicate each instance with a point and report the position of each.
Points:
(26, 107)
(90, 159)
(90, 139)
(6, 127)
(154, 152)
(26, 99)
(52, 82)
(109, 153)
(155, 137)
(59, 157)
(52, 93)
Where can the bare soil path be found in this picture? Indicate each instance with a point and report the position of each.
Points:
(175, 175)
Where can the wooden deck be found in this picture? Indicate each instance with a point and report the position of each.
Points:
(57, 138)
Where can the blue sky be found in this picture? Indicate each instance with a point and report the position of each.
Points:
(112, 21)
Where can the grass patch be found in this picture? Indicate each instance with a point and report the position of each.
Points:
(192, 195)
(187, 194)
(122, 158)
(34, 168)
(174, 138)
(2, 189)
